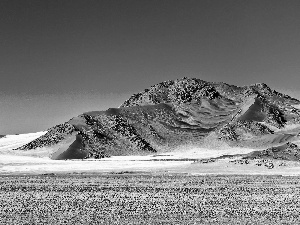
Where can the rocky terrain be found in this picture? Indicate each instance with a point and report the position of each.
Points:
(179, 113)
(288, 151)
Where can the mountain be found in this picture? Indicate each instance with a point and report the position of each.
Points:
(175, 114)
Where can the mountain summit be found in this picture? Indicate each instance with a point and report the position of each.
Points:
(175, 114)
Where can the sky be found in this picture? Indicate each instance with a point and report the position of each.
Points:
(61, 58)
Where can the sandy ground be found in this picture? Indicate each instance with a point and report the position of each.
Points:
(224, 166)
(180, 161)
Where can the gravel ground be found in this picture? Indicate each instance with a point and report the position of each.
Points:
(149, 199)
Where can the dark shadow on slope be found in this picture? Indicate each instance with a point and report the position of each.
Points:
(254, 113)
(73, 151)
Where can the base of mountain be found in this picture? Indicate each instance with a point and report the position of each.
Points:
(282, 160)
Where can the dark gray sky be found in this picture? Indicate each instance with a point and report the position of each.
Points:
(60, 58)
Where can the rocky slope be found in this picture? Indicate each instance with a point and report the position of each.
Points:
(287, 151)
(177, 113)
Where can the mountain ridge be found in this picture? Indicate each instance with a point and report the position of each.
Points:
(172, 114)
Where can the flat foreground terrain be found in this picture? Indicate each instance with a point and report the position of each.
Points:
(132, 198)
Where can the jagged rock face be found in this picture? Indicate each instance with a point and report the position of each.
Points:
(169, 115)
(241, 130)
(186, 90)
(177, 92)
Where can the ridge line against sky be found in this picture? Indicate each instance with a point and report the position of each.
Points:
(62, 58)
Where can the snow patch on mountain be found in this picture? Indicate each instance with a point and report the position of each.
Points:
(10, 142)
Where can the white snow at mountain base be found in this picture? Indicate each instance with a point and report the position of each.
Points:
(36, 160)
(14, 141)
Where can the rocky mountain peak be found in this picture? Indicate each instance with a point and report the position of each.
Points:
(179, 91)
